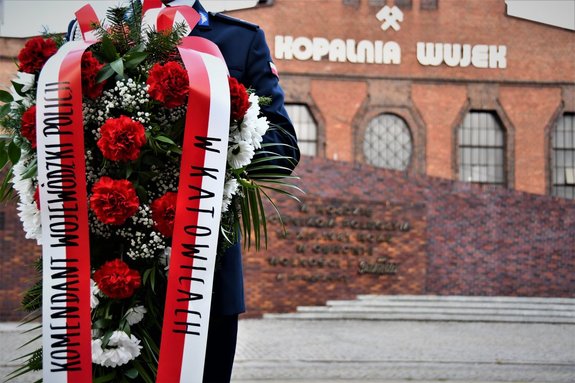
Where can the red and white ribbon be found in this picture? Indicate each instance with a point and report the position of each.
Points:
(87, 22)
(66, 324)
(197, 222)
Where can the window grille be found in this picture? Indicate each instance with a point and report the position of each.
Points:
(428, 4)
(563, 157)
(305, 128)
(387, 142)
(403, 4)
(353, 3)
(482, 149)
(377, 3)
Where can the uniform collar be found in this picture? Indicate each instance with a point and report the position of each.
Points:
(175, 3)
(204, 22)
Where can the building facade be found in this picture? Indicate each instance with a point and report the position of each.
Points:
(446, 88)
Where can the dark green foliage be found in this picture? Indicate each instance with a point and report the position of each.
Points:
(162, 46)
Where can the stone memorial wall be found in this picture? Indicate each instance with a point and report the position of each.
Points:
(363, 230)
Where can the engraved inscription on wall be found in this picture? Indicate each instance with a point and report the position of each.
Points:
(335, 241)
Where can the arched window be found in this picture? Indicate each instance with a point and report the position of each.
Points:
(563, 157)
(305, 128)
(481, 147)
(387, 142)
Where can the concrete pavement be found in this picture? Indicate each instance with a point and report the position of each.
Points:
(319, 351)
(390, 351)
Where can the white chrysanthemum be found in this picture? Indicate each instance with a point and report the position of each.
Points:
(121, 349)
(240, 154)
(230, 189)
(135, 314)
(253, 126)
(254, 104)
(27, 81)
(94, 290)
(27, 209)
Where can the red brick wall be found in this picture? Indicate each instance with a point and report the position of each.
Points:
(441, 237)
(17, 256)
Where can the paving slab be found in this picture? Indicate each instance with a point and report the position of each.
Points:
(342, 351)
(383, 351)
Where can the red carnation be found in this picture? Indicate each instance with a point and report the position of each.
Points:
(169, 84)
(121, 139)
(28, 129)
(117, 280)
(114, 201)
(35, 54)
(37, 197)
(239, 99)
(164, 213)
(90, 68)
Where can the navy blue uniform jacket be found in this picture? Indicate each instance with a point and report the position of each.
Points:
(247, 56)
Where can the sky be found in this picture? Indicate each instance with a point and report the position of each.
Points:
(25, 18)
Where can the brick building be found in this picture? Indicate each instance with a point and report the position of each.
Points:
(447, 125)
(460, 91)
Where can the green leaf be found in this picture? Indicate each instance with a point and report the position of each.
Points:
(6, 187)
(108, 49)
(165, 139)
(146, 276)
(101, 323)
(263, 217)
(4, 110)
(131, 373)
(6, 96)
(106, 378)
(118, 66)
(153, 280)
(18, 88)
(134, 59)
(105, 73)
(142, 193)
(143, 373)
(14, 153)
(31, 171)
(254, 214)
(3, 158)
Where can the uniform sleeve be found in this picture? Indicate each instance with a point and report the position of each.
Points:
(259, 75)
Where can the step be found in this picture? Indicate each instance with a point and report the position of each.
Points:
(442, 308)
(438, 310)
(426, 317)
(460, 298)
(453, 304)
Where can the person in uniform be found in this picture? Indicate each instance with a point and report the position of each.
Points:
(248, 58)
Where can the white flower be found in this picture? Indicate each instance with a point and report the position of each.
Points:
(27, 80)
(28, 211)
(135, 314)
(254, 104)
(253, 126)
(121, 349)
(94, 290)
(240, 154)
(230, 189)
